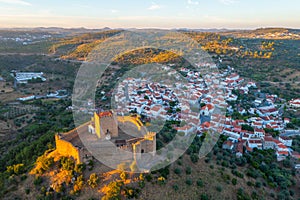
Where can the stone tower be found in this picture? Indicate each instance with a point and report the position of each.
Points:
(106, 123)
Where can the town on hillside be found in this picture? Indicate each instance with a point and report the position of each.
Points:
(251, 119)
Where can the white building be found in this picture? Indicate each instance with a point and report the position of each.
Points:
(295, 103)
(286, 141)
(269, 143)
(255, 143)
(28, 98)
(24, 77)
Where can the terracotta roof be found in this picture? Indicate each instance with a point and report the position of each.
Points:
(105, 114)
(283, 153)
(208, 106)
(255, 141)
(282, 146)
(285, 138)
(268, 139)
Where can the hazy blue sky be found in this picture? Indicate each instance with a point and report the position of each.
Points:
(150, 14)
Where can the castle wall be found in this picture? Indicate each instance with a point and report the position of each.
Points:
(67, 149)
(97, 125)
(135, 120)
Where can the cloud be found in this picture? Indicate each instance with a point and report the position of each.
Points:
(18, 2)
(114, 11)
(191, 2)
(155, 6)
(228, 2)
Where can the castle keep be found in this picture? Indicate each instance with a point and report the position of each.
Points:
(104, 124)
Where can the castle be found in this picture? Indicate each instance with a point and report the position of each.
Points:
(126, 132)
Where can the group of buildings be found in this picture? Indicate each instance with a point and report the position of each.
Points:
(25, 77)
(59, 94)
(144, 97)
(266, 115)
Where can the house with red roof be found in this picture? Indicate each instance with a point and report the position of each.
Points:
(286, 121)
(246, 135)
(281, 155)
(231, 133)
(233, 77)
(258, 125)
(259, 132)
(207, 110)
(295, 103)
(268, 142)
(286, 141)
(255, 143)
(156, 109)
(281, 147)
(228, 145)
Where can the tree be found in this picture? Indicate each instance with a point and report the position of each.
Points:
(16, 169)
(188, 170)
(67, 163)
(194, 158)
(123, 176)
(93, 180)
(204, 197)
(177, 171)
(189, 181)
(78, 185)
(113, 191)
(247, 127)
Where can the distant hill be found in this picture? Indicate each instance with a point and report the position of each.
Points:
(265, 33)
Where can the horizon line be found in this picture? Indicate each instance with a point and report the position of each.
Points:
(178, 28)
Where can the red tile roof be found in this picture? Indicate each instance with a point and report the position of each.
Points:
(283, 153)
(105, 114)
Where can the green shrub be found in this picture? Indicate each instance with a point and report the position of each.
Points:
(258, 184)
(148, 177)
(177, 171)
(175, 187)
(27, 190)
(199, 183)
(219, 188)
(189, 181)
(234, 181)
(188, 170)
(204, 197)
(194, 158)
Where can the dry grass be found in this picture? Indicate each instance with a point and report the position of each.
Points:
(5, 88)
(211, 178)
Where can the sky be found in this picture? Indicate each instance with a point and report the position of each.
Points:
(234, 14)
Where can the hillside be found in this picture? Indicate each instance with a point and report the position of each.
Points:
(78, 47)
(266, 33)
(217, 176)
(271, 61)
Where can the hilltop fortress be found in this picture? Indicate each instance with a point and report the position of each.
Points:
(125, 132)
